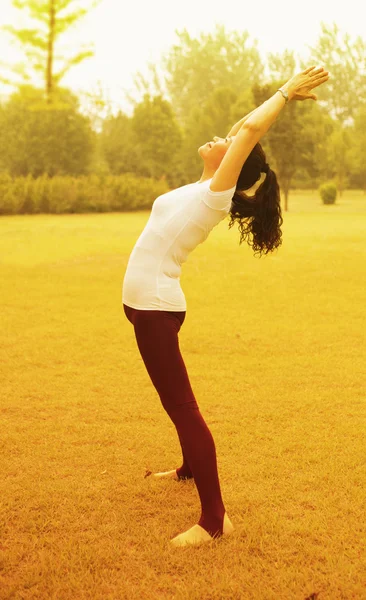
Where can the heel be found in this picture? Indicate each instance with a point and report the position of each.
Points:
(228, 527)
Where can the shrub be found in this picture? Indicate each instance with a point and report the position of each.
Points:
(7, 196)
(328, 193)
(86, 193)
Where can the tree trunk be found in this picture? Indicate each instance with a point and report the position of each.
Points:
(340, 182)
(285, 187)
(51, 41)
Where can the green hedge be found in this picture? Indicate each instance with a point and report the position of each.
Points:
(64, 194)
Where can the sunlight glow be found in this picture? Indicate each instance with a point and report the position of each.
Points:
(128, 36)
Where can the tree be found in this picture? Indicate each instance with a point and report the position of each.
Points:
(158, 136)
(357, 150)
(53, 18)
(47, 139)
(282, 66)
(296, 140)
(315, 161)
(221, 110)
(96, 105)
(339, 152)
(119, 146)
(296, 143)
(194, 68)
(345, 91)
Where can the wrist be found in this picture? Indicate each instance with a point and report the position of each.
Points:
(289, 89)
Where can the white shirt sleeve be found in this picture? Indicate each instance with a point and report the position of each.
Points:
(218, 200)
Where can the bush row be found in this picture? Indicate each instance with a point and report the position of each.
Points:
(66, 194)
(92, 193)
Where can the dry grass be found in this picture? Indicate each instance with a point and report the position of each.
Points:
(275, 349)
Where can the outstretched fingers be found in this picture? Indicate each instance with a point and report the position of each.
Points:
(308, 70)
(314, 73)
(319, 73)
(319, 80)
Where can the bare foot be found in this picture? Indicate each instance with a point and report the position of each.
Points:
(166, 475)
(197, 534)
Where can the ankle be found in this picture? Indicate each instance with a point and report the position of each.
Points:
(184, 473)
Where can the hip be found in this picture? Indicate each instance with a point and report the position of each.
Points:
(133, 313)
(149, 293)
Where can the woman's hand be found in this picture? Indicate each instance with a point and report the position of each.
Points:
(299, 86)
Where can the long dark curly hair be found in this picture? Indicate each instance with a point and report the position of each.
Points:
(259, 216)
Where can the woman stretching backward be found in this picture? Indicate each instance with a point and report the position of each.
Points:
(153, 299)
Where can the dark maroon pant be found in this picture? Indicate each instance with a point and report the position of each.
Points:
(156, 334)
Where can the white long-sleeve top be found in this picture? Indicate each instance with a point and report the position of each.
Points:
(179, 221)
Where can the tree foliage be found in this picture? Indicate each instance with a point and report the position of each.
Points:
(48, 20)
(158, 135)
(202, 87)
(357, 151)
(119, 146)
(339, 155)
(148, 143)
(297, 141)
(195, 67)
(37, 138)
(345, 91)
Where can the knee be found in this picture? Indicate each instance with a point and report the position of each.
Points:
(176, 409)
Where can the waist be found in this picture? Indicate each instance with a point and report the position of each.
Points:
(153, 293)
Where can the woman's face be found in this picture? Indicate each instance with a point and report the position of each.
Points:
(213, 152)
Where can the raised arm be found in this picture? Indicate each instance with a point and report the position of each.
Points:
(235, 128)
(256, 124)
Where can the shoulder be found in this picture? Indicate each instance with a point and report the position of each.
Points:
(216, 200)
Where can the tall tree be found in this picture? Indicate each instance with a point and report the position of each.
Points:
(158, 136)
(339, 154)
(96, 104)
(118, 144)
(357, 151)
(195, 67)
(282, 66)
(49, 140)
(215, 116)
(296, 140)
(49, 19)
(345, 59)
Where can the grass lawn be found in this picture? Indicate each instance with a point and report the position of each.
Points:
(275, 349)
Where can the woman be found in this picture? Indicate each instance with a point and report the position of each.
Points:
(154, 301)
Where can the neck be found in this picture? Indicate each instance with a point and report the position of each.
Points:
(208, 173)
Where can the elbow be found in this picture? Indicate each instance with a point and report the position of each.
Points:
(251, 126)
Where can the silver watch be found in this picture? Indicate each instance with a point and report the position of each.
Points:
(284, 93)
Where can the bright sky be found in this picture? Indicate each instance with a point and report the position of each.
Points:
(127, 35)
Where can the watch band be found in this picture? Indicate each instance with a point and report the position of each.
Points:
(284, 93)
